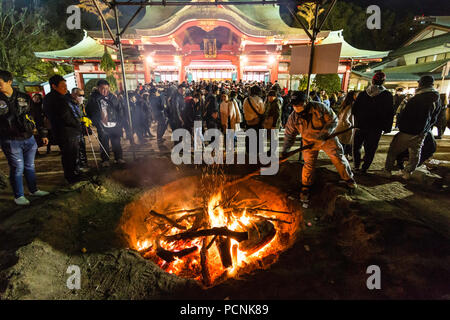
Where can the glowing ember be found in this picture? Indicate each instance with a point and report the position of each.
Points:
(228, 234)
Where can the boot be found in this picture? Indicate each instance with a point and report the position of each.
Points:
(305, 195)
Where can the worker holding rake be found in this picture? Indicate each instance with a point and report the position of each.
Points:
(315, 122)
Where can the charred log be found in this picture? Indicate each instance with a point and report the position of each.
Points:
(223, 231)
(167, 219)
(206, 277)
(170, 256)
(224, 246)
(259, 235)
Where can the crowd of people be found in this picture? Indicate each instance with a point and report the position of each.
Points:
(65, 119)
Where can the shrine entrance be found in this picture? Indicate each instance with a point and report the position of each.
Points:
(211, 70)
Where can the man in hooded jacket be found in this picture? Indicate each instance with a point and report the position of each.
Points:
(374, 114)
(415, 119)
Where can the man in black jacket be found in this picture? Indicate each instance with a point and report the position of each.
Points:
(66, 127)
(17, 140)
(416, 117)
(374, 114)
(211, 103)
(176, 108)
(108, 116)
(158, 110)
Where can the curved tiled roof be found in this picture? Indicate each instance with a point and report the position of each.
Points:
(195, 13)
(422, 45)
(87, 48)
(348, 51)
(262, 16)
(254, 20)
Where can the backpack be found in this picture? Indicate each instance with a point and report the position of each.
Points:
(261, 117)
(15, 121)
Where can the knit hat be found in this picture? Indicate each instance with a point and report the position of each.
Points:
(426, 81)
(379, 77)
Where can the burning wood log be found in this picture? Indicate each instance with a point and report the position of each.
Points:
(211, 243)
(224, 246)
(259, 235)
(222, 231)
(269, 210)
(234, 252)
(206, 277)
(247, 205)
(167, 219)
(182, 211)
(186, 216)
(258, 209)
(226, 202)
(200, 220)
(170, 256)
(272, 219)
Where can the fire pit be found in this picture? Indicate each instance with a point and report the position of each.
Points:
(195, 228)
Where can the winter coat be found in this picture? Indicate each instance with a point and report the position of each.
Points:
(374, 109)
(418, 114)
(212, 123)
(211, 105)
(115, 110)
(13, 112)
(286, 110)
(188, 113)
(272, 114)
(251, 118)
(176, 108)
(398, 98)
(62, 118)
(240, 107)
(229, 114)
(37, 111)
(138, 113)
(314, 122)
(345, 121)
(157, 106)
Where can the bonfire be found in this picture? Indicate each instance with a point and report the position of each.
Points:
(222, 233)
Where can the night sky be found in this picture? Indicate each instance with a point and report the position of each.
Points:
(427, 7)
(418, 7)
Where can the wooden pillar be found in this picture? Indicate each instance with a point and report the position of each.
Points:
(182, 70)
(237, 62)
(147, 71)
(78, 77)
(240, 70)
(274, 71)
(346, 79)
